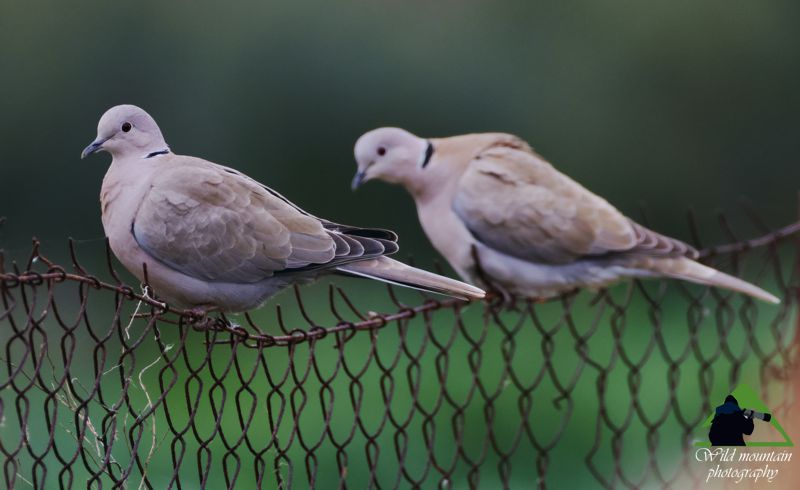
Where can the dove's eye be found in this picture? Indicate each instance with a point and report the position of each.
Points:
(126, 127)
(381, 151)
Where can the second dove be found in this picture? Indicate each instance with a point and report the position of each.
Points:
(535, 232)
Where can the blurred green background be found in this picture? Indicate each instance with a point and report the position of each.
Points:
(675, 104)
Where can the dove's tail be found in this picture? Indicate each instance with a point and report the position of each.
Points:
(394, 272)
(689, 270)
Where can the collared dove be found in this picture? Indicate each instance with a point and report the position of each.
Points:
(213, 238)
(534, 231)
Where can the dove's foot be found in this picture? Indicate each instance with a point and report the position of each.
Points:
(197, 313)
(502, 298)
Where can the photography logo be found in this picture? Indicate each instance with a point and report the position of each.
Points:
(741, 440)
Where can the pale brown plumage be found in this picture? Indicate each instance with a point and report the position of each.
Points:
(513, 200)
(536, 232)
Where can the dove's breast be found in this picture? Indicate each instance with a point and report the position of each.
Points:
(119, 202)
(120, 198)
(447, 234)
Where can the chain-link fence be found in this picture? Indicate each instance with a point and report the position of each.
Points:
(105, 386)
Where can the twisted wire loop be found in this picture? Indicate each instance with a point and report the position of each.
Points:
(104, 384)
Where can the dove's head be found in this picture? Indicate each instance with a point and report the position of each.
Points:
(393, 155)
(126, 130)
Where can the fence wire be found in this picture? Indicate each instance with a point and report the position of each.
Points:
(104, 385)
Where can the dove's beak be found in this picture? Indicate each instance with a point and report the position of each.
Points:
(93, 148)
(358, 179)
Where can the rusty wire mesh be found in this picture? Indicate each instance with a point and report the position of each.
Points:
(105, 386)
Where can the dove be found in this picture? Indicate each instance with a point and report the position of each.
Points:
(506, 219)
(212, 238)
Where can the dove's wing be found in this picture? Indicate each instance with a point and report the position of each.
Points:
(212, 223)
(515, 202)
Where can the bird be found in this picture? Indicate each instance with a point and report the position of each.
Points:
(211, 238)
(507, 220)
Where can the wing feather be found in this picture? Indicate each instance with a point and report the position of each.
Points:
(215, 224)
(514, 201)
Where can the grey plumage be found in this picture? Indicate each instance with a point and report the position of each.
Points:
(213, 237)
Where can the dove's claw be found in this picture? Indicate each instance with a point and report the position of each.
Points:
(197, 313)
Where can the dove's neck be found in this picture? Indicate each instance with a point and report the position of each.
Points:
(433, 187)
(143, 153)
(451, 158)
(438, 180)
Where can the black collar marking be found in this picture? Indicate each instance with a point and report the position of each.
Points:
(156, 153)
(428, 155)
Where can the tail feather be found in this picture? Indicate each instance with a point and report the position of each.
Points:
(692, 271)
(394, 272)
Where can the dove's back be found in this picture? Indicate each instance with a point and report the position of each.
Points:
(516, 203)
